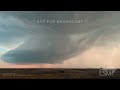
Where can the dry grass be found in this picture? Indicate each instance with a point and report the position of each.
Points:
(54, 74)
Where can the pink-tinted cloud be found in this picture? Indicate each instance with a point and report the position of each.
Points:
(95, 57)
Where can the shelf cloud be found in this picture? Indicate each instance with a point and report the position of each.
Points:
(52, 42)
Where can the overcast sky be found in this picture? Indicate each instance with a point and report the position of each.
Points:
(25, 43)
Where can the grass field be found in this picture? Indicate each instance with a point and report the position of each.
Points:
(56, 74)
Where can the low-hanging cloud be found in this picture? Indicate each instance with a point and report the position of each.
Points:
(54, 43)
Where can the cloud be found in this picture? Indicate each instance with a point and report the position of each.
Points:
(55, 43)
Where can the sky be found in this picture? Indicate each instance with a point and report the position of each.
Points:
(28, 42)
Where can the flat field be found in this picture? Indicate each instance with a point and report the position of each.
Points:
(57, 74)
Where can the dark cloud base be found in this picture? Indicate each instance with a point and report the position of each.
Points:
(54, 43)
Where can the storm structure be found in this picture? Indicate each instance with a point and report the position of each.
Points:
(95, 42)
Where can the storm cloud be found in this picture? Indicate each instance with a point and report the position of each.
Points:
(54, 43)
